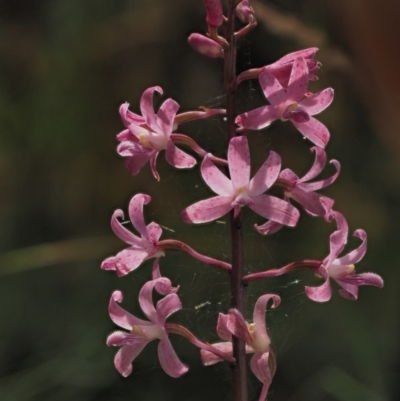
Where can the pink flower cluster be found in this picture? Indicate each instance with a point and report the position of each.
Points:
(285, 86)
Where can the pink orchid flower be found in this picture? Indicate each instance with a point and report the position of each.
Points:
(290, 105)
(141, 248)
(255, 336)
(342, 269)
(147, 135)
(141, 332)
(238, 191)
(282, 68)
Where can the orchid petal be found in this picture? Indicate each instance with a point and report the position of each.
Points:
(177, 157)
(136, 213)
(130, 259)
(122, 338)
(167, 305)
(146, 301)
(313, 186)
(120, 316)
(305, 53)
(237, 326)
(169, 360)
(370, 279)
(124, 357)
(298, 81)
(272, 89)
(121, 232)
(275, 209)
(270, 227)
(317, 102)
(309, 200)
(163, 287)
(239, 162)
(215, 179)
(208, 358)
(166, 115)
(258, 118)
(128, 117)
(259, 366)
(337, 241)
(355, 256)
(341, 222)
(318, 165)
(222, 327)
(322, 293)
(108, 264)
(265, 176)
(153, 160)
(314, 131)
(207, 210)
(288, 175)
(135, 163)
(147, 108)
(127, 135)
(154, 230)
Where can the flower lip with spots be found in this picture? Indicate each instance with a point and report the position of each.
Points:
(240, 190)
(291, 104)
(342, 269)
(141, 332)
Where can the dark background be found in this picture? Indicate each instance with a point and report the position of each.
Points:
(65, 67)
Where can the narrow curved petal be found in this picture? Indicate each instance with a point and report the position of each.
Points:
(318, 165)
(207, 210)
(270, 227)
(311, 201)
(128, 117)
(135, 163)
(215, 179)
(305, 53)
(322, 293)
(239, 161)
(167, 306)
(129, 259)
(259, 366)
(120, 316)
(355, 256)
(237, 326)
(121, 338)
(272, 89)
(169, 360)
(275, 209)
(265, 176)
(314, 131)
(147, 108)
(258, 118)
(132, 148)
(348, 290)
(163, 287)
(177, 157)
(288, 175)
(341, 222)
(208, 358)
(222, 327)
(166, 115)
(136, 213)
(126, 135)
(259, 318)
(146, 301)
(314, 186)
(124, 357)
(153, 161)
(370, 279)
(298, 80)
(121, 232)
(337, 241)
(317, 102)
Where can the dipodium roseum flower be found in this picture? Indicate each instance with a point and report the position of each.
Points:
(342, 269)
(141, 332)
(255, 336)
(147, 135)
(291, 104)
(282, 68)
(141, 248)
(238, 191)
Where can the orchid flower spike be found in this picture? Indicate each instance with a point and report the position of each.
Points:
(255, 335)
(342, 269)
(141, 332)
(239, 191)
(282, 68)
(141, 248)
(290, 105)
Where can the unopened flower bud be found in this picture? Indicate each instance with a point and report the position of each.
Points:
(205, 46)
(214, 12)
(245, 12)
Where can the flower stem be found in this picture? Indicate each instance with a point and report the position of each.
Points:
(239, 371)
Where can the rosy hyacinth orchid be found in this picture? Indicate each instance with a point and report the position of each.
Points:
(141, 332)
(205, 46)
(239, 191)
(342, 269)
(141, 248)
(255, 335)
(291, 104)
(282, 68)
